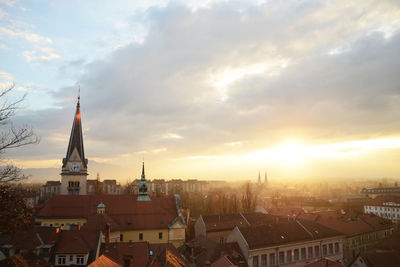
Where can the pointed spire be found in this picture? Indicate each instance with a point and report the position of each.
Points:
(76, 138)
(142, 188)
(259, 178)
(143, 178)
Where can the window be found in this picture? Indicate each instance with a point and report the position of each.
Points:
(264, 260)
(140, 236)
(255, 261)
(121, 238)
(80, 259)
(160, 236)
(303, 253)
(71, 257)
(324, 250)
(337, 247)
(316, 248)
(330, 249)
(271, 259)
(310, 253)
(61, 260)
(289, 256)
(281, 257)
(296, 254)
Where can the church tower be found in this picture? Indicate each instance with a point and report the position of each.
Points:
(74, 167)
(143, 194)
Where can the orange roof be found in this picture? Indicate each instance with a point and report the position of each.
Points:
(348, 224)
(143, 253)
(104, 261)
(222, 262)
(123, 212)
(325, 262)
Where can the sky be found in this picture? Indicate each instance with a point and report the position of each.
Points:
(207, 89)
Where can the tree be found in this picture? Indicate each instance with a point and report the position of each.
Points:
(249, 199)
(14, 213)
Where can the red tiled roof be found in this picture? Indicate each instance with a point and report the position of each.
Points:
(222, 262)
(142, 253)
(325, 262)
(223, 222)
(379, 200)
(104, 261)
(285, 211)
(32, 238)
(285, 232)
(229, 221)
(384, 259)
(123, 211)
(348, 224)
(77, 242)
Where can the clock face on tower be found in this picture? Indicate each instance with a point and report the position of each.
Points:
(75, 167)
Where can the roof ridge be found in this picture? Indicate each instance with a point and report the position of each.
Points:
(245, 219)
(305, 229)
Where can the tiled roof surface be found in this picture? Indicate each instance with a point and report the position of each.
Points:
(143, 253)
(229, 221)
(285, 211)
(379, 200)
(348, 224)
(208, 250)
(223, 222)
(104, 261)
(285, 232)
(325, 262)
(31, 238)
(123, 211)
(384, 259)
(222, 262)
(77, 242)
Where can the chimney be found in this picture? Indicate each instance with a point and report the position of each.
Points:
(107, 233)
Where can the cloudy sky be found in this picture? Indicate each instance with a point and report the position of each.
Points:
(208, 89)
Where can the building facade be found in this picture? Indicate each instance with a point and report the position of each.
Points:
(387, 207)
(293, 243)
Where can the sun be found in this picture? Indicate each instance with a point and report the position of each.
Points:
(289, 154)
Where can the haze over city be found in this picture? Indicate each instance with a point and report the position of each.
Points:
(208, 89)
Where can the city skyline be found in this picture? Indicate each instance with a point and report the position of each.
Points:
(218, 90)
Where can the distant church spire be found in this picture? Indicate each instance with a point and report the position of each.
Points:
(143, 194)
(259, 178)
(76, 138)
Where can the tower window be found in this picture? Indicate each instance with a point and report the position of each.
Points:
(160, 235)
(140, 236)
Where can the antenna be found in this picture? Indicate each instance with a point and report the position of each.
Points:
(79, 92)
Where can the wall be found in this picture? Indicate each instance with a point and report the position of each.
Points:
(73, 262)
(148, 235)
(60, 221)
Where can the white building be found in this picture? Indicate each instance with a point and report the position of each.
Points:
(387, 207)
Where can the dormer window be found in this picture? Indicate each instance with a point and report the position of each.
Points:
(101, 208)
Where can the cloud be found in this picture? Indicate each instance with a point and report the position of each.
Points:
(40, 54)
(238, 71)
